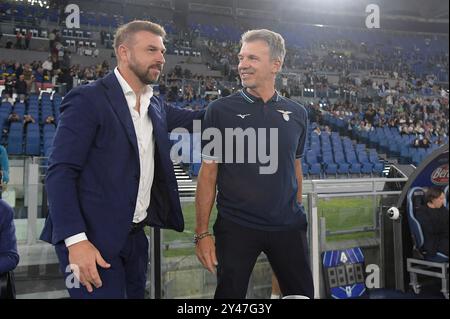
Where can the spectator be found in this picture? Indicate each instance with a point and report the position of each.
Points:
(66, 60)
(27, 119)
(28, 37)
(13, 117)
(28, 76)
(370, 114)
(425, 143)
(55, 63)
(48, 64)
(19, 38)
(51, 38)
(66, 78)
(39, 76)
(9, 88)
(102, 37)
(21, 87)
(316, 130)
(421, 142)
(50, 120)
(17, 69)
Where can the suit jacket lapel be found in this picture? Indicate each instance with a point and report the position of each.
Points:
(155, 114)
(120, 107)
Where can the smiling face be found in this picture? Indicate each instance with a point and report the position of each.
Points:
(143, 55)
(257, 68)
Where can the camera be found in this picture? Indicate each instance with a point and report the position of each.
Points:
(393, 213)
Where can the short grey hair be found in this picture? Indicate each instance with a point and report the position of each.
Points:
(274, 40)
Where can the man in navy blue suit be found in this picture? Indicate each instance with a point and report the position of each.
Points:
(110, 171)
(8, 244)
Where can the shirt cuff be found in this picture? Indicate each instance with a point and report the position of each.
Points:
(75, 239)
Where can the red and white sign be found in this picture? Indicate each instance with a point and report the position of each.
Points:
(440, 175)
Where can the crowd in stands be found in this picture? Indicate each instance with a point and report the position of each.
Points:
(394, 88)
(32, 77)
(423, 118)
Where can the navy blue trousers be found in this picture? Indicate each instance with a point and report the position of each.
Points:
(126, 277)
(238, 247)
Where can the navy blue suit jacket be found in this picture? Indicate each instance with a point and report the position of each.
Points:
(8, 244)
(94, 171)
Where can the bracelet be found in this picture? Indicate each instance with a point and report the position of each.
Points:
(197, 237)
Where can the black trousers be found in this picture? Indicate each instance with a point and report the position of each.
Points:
(238, 247)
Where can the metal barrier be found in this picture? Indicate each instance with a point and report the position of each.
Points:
(173, 264)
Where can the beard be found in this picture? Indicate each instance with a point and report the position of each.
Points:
(145, 74)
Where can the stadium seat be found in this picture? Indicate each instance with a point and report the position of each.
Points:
(305, 168)
(15, 139)
(378, 168)
(355, 168)
(367, 168)
(331, 169)
(315, 169)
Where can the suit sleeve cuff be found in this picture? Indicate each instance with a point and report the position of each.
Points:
(72, 240)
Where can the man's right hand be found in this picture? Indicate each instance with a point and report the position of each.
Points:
(86, 257)
(206, 253)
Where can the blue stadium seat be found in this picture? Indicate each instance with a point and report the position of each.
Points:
(378, 168)
(315, 169)
(15, 139)
(311, 157)
(415, 199)
(355, 168)
(305, 168)
(367, 168)
(331, 168)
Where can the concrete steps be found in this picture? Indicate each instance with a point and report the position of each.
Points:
(186, 185)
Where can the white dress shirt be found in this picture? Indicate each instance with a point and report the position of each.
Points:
(146, 144)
